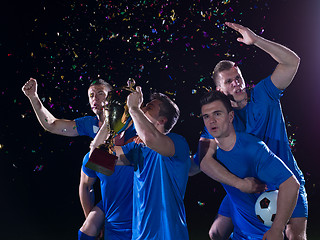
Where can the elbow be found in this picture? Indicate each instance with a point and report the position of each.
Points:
(51, 127)
(291, 183)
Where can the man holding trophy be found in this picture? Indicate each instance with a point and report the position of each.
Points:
(115, 209)
(161, 163)
(110, 186)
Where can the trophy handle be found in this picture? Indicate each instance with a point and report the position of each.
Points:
(130, 84)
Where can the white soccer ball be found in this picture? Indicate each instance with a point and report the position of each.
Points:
(266, 207)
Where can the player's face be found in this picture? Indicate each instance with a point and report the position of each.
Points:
(217, 119)
(151, 110)
(97, 96)
(232, 84)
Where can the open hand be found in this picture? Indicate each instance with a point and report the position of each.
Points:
(248, 37)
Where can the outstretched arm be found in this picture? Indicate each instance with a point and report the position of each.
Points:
(213, 169)
(287, 199)
(47, 120)
(288, 61)
(146, 130)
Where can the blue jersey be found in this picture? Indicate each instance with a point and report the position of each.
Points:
(87, 126)
(116, 195)
(262, 117)
(158, 191)
(250, 157)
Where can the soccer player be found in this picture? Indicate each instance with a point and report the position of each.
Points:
(113, 199)
(245, 155)
(161, 164)
(258, 112)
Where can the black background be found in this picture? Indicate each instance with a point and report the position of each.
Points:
(44, 204)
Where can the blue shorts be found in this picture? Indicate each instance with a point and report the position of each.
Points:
(116, 231)
(301, 209)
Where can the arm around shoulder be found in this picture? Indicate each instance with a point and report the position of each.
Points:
(213, 169)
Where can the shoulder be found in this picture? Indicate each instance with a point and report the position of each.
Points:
(249, 140)
(92, 120)
(177, 138)
(86, 118)
(254, 146)
(266, 89)
(180, 144)
(206, 134)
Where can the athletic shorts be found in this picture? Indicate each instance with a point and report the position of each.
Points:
(301, 209)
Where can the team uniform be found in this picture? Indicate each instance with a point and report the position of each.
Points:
(116, 193)
(262, 117)
(159, 186)
(87, 126)
(250, 157)
(116, 190)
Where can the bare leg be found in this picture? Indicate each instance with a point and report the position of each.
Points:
(296, 229)
(221, 228)
(94, 222)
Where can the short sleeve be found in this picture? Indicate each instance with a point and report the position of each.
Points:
(181, 146)
(87, 126)
(265, 89)
(89, 172)
(206, 134)
(271, 168)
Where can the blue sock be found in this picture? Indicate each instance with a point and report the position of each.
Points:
(83, 236)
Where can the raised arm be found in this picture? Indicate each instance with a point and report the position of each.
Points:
(288, 61)
(287, 199)
(46, 119)
(146, 130)
(101, 136)
(213, 169)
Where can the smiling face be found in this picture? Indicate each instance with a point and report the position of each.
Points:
(217, 119)
(97, 96)
(231, 83)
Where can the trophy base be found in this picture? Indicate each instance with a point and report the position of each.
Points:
(102, 161)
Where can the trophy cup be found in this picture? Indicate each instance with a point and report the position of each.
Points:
(102, 159)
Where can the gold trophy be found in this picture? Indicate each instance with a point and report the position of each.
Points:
(102, 158)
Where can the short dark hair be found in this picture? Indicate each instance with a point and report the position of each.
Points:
(168, 109)
(220, 67)
(101, 82)
(215, 95)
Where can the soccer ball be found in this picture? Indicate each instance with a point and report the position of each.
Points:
(266, 207)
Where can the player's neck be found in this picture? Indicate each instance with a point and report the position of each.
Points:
(228, 141)
(239, 104)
